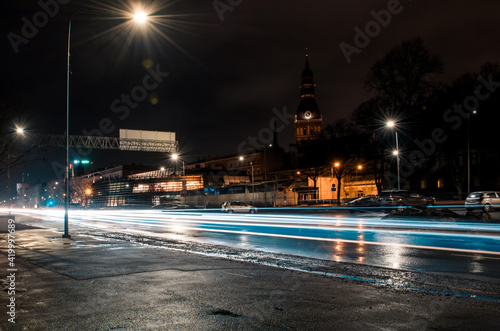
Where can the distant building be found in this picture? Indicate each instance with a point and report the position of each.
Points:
(264, 177)
(308, 119)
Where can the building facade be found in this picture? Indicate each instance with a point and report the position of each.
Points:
(308, 119)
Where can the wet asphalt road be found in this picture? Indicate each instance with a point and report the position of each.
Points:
(470, 249)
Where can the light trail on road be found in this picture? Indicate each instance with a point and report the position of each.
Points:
(464, 237)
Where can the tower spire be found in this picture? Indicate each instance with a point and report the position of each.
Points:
(308, 119)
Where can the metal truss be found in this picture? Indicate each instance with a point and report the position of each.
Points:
(94, 142)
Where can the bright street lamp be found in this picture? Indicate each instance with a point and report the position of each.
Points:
(175, 157)
(140, 17)
(251, 164)
(392, 124)
(359, 167)
(474, 112)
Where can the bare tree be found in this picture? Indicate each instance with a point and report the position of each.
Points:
(403, 77)
(343, 166)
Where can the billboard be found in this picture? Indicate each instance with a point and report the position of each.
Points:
(147, 135)
(147, 141)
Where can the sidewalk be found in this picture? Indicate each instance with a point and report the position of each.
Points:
(93, 283)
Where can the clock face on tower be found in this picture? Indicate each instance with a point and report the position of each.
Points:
(307, 115)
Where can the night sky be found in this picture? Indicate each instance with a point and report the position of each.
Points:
(224, 77)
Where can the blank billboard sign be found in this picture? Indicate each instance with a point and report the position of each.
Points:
(147, 135)
(143, 140)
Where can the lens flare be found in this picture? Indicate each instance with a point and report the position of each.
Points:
(140, 17)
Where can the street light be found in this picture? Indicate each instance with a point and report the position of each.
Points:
(175, 157)
(138, 18)
(251, 164)
(19, 131)
(359, 167)
(474, 112)
(265, 173)
(338, 176)
(391, 125)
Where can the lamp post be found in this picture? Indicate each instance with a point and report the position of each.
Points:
(391, 124)
(175, 157)
(139, 17)
(265, 174)
(468, 150)
(359, 167)
(338, 176)
(19, 131)
(251, 165)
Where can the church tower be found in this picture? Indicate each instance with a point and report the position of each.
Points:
(308, 119)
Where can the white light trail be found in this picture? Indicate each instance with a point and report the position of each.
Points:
(321, 225)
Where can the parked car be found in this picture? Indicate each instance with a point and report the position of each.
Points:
(485, 200)
(401, 198)
(171, 206)
(363, 204)
(238, 207)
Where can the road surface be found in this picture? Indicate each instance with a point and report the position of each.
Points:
(447, 247)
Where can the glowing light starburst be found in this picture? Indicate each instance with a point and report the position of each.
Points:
(140, 17)
(142, 25)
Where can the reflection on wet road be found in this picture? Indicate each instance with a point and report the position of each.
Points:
(423, 245)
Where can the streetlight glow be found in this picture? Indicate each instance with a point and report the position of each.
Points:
(392, 124)
(175, 157)
(140, 17)
(20, 130)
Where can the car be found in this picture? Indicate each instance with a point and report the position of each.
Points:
(238, 207)
(485, 200)
(363, 204)
(401, 198)
(171, 206)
